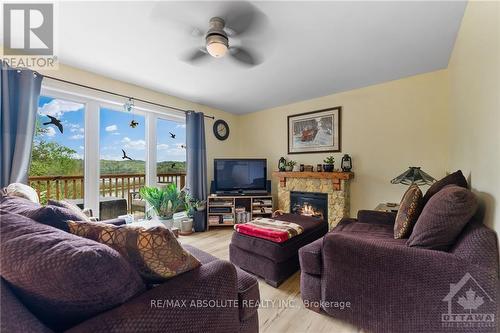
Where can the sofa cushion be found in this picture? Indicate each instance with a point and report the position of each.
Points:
(408, 212)
(71, 207)
(456, 178)
(443, 218)
(50, 215)
(15, 316)
(155, 252)
(374, 230)
(18, 205)
(61, 278)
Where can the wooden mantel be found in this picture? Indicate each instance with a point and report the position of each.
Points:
(336, 176)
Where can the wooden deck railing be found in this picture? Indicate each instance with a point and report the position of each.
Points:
(72, 187)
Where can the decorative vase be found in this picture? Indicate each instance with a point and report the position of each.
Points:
(199, 219)
(328, 167)
(186, 226)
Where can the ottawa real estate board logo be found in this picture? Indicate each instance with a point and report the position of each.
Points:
(469, 305)
(28, 35)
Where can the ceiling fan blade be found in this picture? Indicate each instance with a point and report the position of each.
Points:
(243, 56)
(196, 56)
(243, 18)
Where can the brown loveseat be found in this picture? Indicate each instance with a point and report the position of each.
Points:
(392, 286)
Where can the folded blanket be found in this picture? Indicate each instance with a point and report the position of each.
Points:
(274, 230)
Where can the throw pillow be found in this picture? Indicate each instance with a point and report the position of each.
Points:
(61, 278)
(71, 207)
(154, 252)
(443, 218)
(408, 212)
(456, 178)
(23, 191)
(53, 216)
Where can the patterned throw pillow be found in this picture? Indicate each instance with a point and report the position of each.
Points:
(154, 252)
(70, 206)
(409, 210)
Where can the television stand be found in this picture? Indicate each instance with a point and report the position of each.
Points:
(228, 210)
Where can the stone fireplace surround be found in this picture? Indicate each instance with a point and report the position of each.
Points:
(335, 184)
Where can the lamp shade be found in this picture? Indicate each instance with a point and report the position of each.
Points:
(414, 175)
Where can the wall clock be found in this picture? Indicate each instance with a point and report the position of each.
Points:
(221, 129)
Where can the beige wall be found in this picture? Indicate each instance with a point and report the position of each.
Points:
(215, 148)
(441, 121)
(385, 128)
(474, 72)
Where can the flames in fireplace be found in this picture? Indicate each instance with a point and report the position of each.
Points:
(307, 210)
(309, 204)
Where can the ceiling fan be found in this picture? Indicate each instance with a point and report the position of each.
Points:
(217, 39)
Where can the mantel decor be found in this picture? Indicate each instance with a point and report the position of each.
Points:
(315, 132)
(335, 176)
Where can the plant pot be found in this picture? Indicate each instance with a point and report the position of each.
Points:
(199, 220)
(328, 167)
(186, 227)
(288, 168)
(168, 223)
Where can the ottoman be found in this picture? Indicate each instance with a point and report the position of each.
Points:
(275, 262)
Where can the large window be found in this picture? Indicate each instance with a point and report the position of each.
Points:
(87, 148)
(57, 162)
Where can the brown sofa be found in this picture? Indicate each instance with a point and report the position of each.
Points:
(53, 281)
(393, 287)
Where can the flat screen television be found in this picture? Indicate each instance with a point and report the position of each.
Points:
(240, 175)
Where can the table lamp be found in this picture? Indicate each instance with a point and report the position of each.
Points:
(414, 175)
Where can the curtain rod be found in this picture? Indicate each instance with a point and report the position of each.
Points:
(118, 94)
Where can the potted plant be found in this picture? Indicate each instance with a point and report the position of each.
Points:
(329, 164)
(163, 202)
(289, 165)
(192, 207)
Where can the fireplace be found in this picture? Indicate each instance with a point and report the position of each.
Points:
(309, 204)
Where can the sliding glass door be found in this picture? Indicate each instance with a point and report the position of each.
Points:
(171, 152)
(122, 162)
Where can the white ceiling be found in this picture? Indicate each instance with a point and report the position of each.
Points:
(308, 49)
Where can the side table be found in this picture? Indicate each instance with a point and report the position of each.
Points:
(387, 207)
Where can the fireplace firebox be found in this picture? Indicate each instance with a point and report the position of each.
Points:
(309, 204)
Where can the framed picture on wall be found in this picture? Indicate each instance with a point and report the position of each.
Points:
(315, 132)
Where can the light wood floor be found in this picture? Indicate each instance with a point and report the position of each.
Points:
(273, 319)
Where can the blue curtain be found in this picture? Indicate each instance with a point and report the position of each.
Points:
(20, 90)
(196, 158)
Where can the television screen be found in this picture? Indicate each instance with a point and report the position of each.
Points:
(240, 174)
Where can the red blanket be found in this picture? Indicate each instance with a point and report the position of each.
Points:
(273, 230)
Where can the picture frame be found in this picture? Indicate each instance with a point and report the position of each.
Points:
(315, 132)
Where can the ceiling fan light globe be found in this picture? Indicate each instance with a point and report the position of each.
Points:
(217, 50)
(217, 44)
